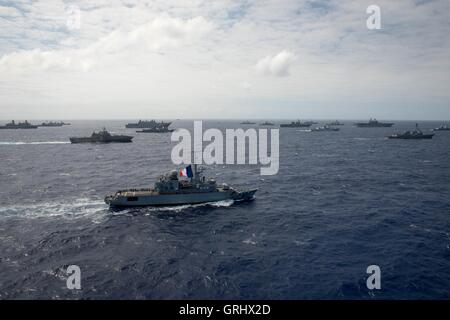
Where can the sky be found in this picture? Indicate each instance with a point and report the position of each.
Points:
(241, 59)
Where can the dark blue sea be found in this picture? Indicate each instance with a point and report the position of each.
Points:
(341, 201)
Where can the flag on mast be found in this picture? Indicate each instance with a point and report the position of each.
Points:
(186, 172)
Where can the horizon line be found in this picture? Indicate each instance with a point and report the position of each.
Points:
(218, 119)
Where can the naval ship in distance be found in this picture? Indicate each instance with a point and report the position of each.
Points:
(53, 124)
(157, 127)
(102, 136)
(443, 127)
(417, 134)
(156, 130)
(19, 125)
(297, 124)
(170, 190)
(147, 124)
(374, 123)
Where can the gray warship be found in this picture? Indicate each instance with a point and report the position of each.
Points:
(155, 130)
(297, 124)
(158, 127)
(443, 127)
(102, 136)
(53, 124)
(374, 123)
(416, 135)
(170, 191)
(19, 125)
(147, 125)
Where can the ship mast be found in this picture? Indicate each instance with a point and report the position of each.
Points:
(196, 173)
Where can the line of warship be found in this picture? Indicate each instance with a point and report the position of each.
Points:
(170, 190)
(19, 125)
(267, 123)
(102, 136)
(27, 125)
(374, 123)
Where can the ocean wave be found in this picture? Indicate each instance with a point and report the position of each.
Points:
(78, 208)
(19, 143)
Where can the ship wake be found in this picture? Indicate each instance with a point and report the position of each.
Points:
(181, 208)
(78, 208)
(19, 143)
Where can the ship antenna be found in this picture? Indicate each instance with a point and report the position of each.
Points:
(196, 173)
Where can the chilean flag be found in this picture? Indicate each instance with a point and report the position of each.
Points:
(186, 172)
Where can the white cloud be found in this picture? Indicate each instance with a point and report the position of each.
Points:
(277, 65)
(162, 58)
(161, 33)
(9, 12)
(245, 85)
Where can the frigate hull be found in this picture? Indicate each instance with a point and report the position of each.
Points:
(19, 127)
(411, 137)
(136, 199)
(119, 139)
(375, 125)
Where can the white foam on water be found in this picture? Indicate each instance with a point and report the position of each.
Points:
(93, 209)
(250, 241)
(366, 139)
(180, 208)
(78, 208)
(223, 203)
(19, 143)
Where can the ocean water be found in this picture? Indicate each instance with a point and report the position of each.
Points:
(340, 202)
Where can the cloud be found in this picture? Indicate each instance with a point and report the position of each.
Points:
(9, 12)
(152, 54)
(245, 85)
(277, 65)
(159, 34)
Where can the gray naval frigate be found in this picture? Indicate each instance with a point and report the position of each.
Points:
(20, 125)
(170, 190)
(102, 136)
